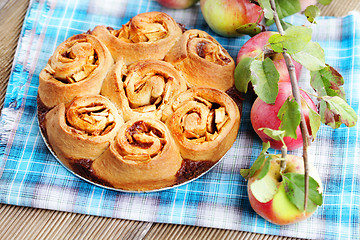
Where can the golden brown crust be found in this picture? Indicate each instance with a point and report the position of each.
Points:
(202, 60)
(82, 129)
(143, 157)
(204, 123)
(144, 89)
(146, 36)
(77, 68)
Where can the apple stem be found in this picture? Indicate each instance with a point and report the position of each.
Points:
(297, 96)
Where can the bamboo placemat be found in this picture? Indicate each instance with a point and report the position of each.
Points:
(29, 223)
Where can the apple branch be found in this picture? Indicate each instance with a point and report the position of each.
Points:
(297, 96)
(283, 155)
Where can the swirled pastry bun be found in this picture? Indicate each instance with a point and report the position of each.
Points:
(77, 68)
(204, 123)
(147, 35)
(202, 60)
(143, 157)
(83, 128)
(144, 89)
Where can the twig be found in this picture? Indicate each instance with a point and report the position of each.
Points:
(283, 156)
(297, 96)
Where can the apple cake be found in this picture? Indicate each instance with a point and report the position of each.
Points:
(140, 108)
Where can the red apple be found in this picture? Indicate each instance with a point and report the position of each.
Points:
(225, 16)
(264, 115)
(267, 195)
(258, 46)
(177, 4)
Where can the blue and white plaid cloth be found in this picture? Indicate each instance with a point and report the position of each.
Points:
(31, 176)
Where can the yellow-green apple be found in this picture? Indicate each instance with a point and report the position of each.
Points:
(267, 195)
(177, 4)
(258, 47)
(265, 115)
(225, 16)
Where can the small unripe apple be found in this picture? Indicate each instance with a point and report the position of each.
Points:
(225, 16)
(177, 4)
(268, 198)
(258, 45)
(264, 115)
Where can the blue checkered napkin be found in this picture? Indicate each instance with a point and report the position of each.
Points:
(31, 176)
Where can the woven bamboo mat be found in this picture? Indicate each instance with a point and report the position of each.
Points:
(29, 223)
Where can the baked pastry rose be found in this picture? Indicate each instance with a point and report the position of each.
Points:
(143, 157)
(202, 60)
(82, 129)
(144, 89)
(204, 123)
(77, 68)
(146, 36)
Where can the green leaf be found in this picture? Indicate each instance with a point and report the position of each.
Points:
(312, 12)
(285, 25)
(266, 168)
(265, 147)
(250, 29)
(264, 78)
(294, 184)
(247, 173)
(242, 74)
(312, 57)
(334, 111)
(277, 135)
(328, 82)
(268, 12)
(315, 121)
(285, 8)
(328, 117)
(325, 2)
(294, 40)
(290, 117)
